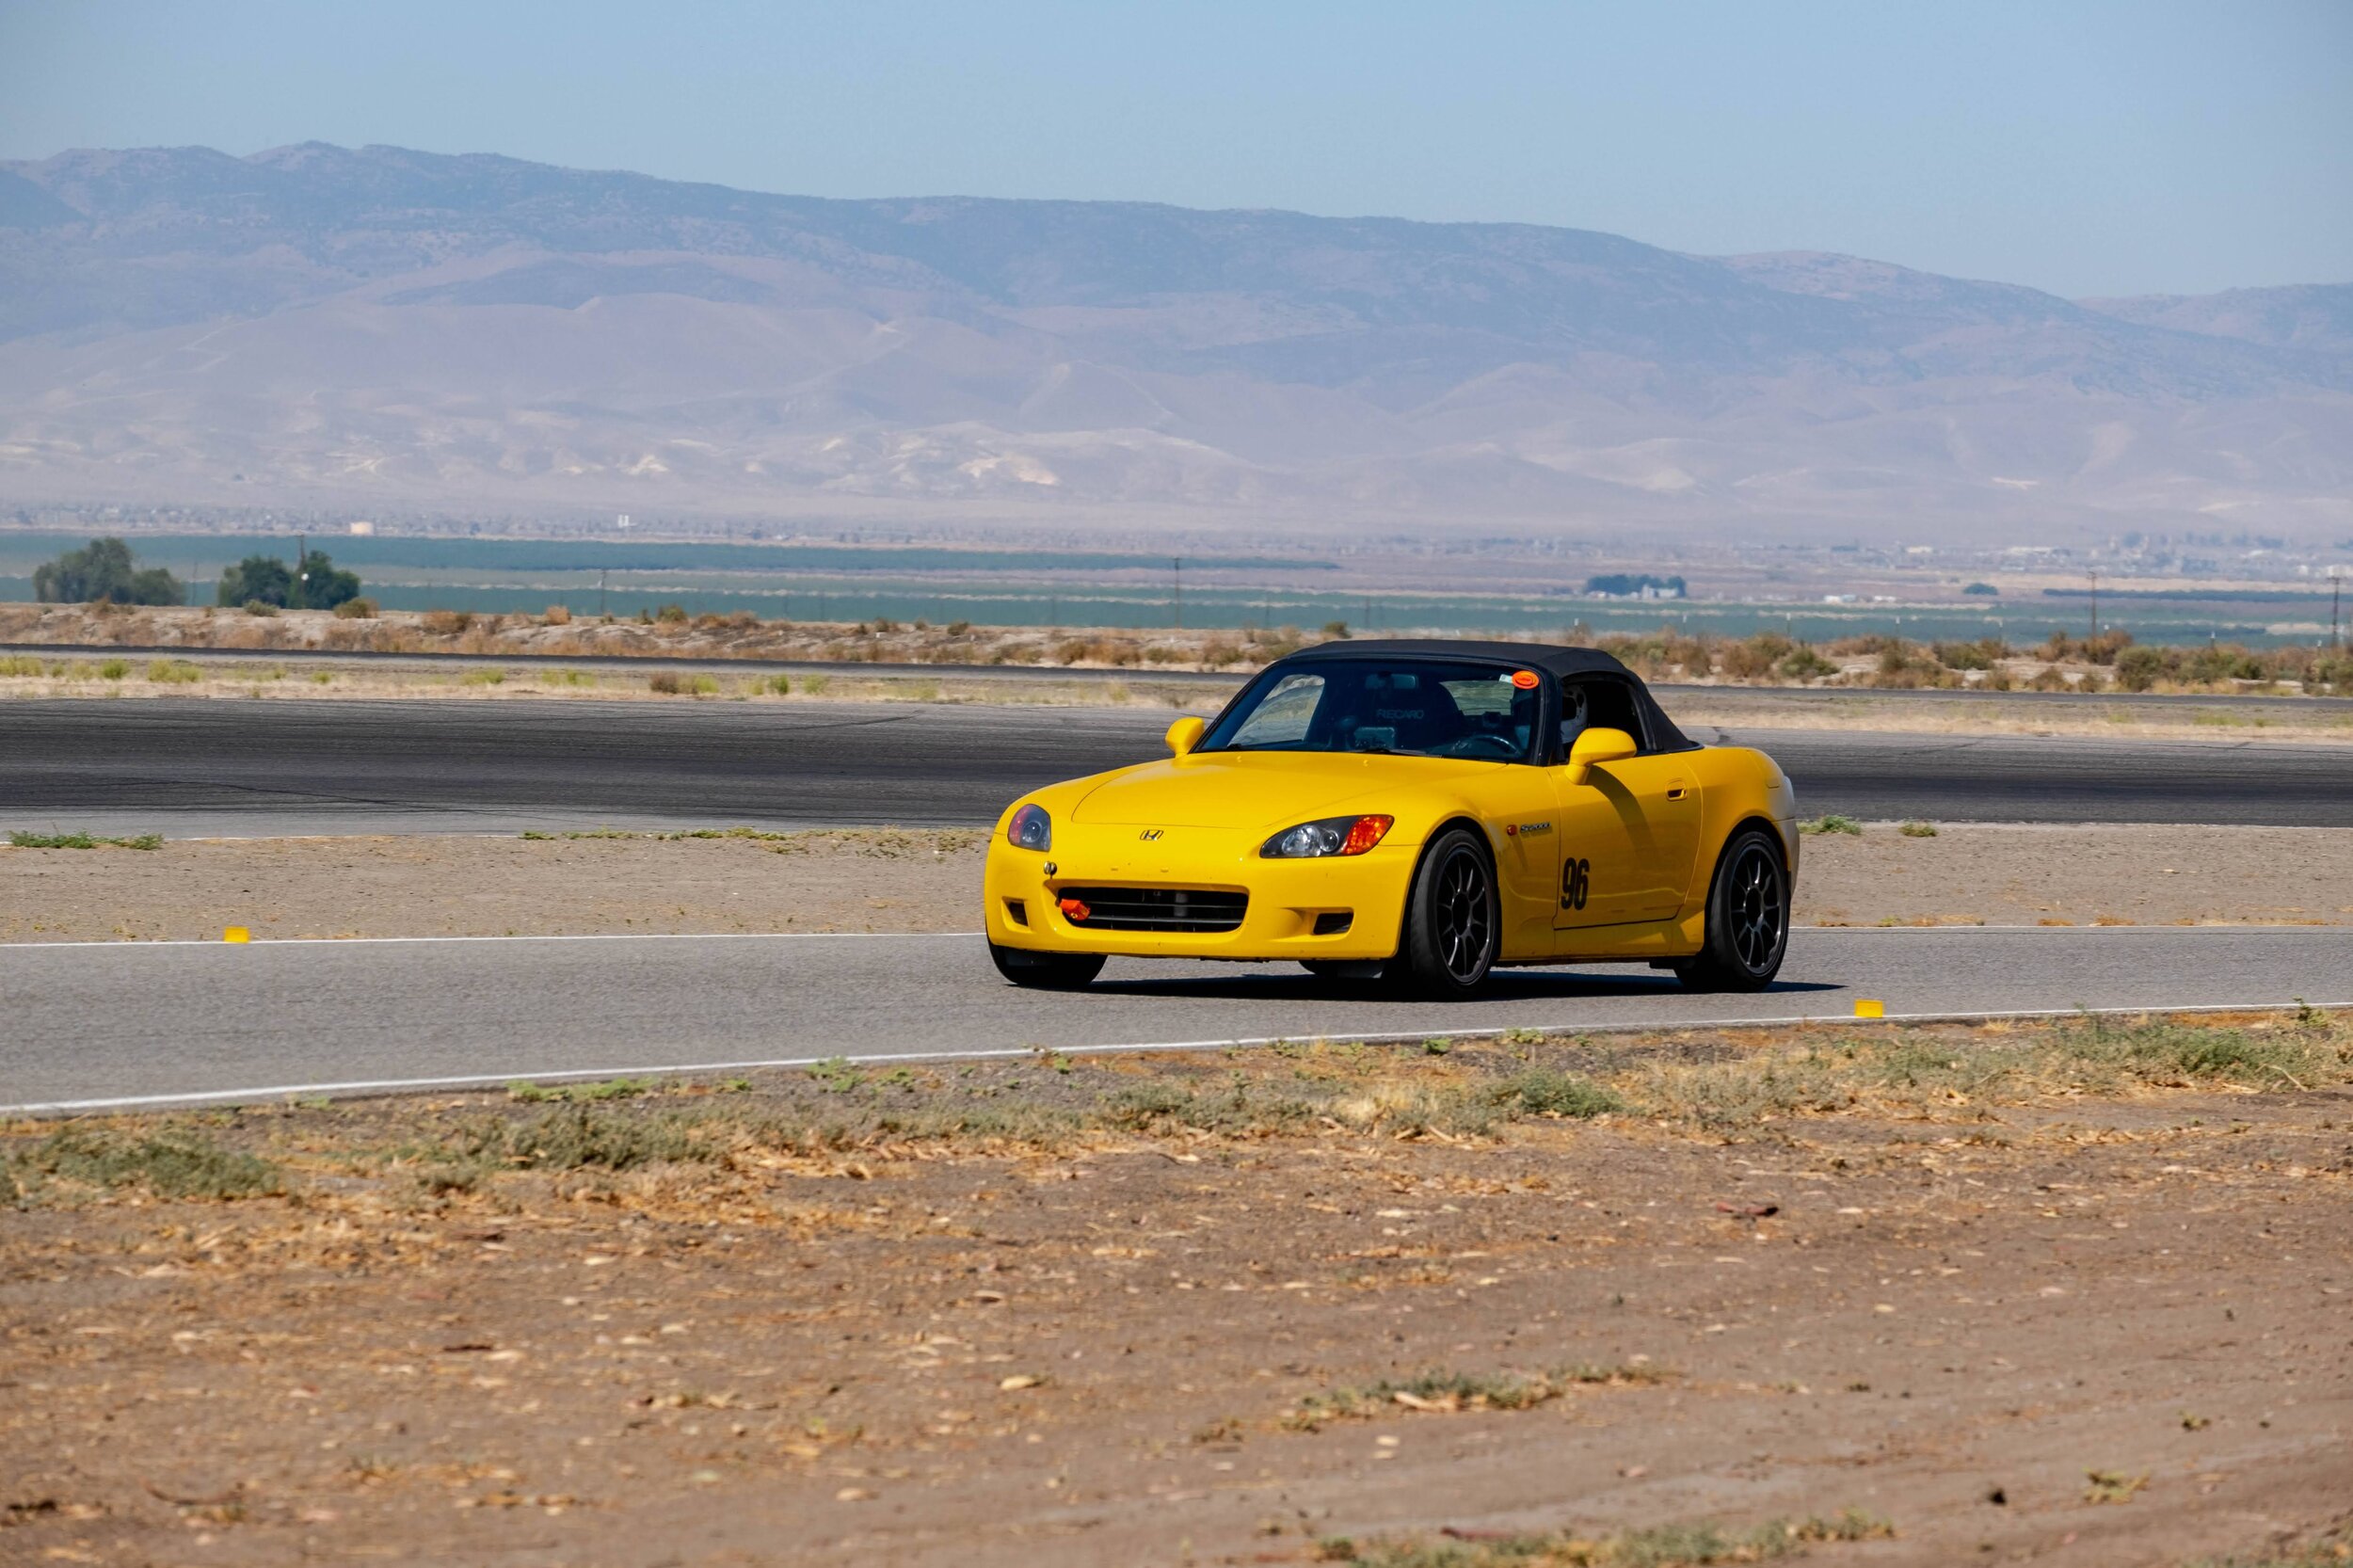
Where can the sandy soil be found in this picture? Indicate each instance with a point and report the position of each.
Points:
(2023, 1316)
(889, 880)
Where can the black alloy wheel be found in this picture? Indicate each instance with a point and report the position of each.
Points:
(1747, 918)
(1046, 971)
(1453, 919)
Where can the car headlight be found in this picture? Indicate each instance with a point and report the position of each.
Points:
(1030, 828)
(1312, 840)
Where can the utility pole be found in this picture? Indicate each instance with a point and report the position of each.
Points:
(302, 556)
(601, 573)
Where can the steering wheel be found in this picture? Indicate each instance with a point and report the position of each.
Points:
(1500, 748)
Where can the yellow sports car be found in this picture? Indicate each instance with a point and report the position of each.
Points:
(1415, 811)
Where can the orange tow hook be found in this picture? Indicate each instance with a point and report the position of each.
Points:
(1075, 909)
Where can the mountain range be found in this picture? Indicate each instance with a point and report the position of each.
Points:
(380, 328)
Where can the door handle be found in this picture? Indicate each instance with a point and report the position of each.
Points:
(1674, 792)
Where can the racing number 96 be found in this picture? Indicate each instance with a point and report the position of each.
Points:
(1574, 878)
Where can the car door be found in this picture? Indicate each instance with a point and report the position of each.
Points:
(1630, 829)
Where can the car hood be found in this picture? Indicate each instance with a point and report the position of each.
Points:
(1222, 789)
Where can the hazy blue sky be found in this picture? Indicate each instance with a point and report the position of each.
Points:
(2083, 148)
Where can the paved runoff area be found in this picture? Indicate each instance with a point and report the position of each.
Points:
(92, 1026)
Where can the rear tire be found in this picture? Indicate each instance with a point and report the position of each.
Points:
(1453, 922)
(1046, 971)
(1746, 919)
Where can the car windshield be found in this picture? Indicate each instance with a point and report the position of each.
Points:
(1405, 707)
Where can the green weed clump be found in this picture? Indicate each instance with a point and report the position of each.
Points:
(173, 672)
(84, 840)
(171, 1164)
(483, 678)
(604, 1089)
(1831, 824)
(581, 1136)
(1544, 1092)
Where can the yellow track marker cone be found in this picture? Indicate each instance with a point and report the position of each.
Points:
(1867, 1008)
(236, 933)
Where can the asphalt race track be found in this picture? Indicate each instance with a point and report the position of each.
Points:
(162, 1022)
(215, 766)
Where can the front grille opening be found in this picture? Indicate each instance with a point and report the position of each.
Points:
(1156, 908)
(1333, 921)
(1016, 911)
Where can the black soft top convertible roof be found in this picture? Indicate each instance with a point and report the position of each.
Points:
(1552, 660)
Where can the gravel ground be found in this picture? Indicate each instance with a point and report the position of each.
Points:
(2070, 1294)
(886, 880)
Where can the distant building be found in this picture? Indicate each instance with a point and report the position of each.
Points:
(362, 530)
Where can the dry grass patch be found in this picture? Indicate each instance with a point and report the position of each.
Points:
(1696, 1545)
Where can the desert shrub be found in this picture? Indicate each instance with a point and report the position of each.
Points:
(492, 677)
(1752, 658)
(666, 682)
(1336, 630)
(2050, 678)
(1072, 651)
(959, 628)
(447, 623)
(2102, 650)
(259, 608)
(780, 684)
(1691, 655)
(557, 614)
(1903, 668)
(356, 609)
(1222, 655)
(114, 669)
(1983, 654)
(19, 664)
(1804, 664)
(2138, 669)
(671, 615)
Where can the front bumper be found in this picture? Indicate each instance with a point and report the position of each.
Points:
(1287, 897)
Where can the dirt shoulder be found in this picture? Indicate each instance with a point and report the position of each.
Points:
(892, 880)
(2057, 1294)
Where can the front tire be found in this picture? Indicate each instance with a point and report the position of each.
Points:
(1748, 917)
(1046, 971)
(1454, 920)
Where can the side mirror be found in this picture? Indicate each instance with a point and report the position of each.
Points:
(1185, 734)
(1595, 746)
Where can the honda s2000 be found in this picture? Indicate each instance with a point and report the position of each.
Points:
(1416, 811)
